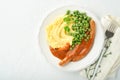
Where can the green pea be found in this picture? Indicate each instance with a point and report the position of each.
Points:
(71, 14)
(88, 18)
(73, 25)
(74, 15)
(80, 16)
(79, 42)
(83, 29)
(74, 35)
(68, 12)
(77, 30)
(85, 17)
(85, 35)
(74, 12)
(67, 29)
(73, 28)
(87, 24)
(81, 24)
(82, 21)
(73, 42)
(76, 21)
(80, 31)
(83, 13)
(78, 36)
(86, 21)
(77, 24)
(77, 39)
(72, 18)
(84, 24)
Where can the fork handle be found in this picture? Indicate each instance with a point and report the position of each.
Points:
(100, 59)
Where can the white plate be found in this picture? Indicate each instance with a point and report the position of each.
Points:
(86, 61)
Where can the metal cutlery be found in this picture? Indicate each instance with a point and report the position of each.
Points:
(109, 33)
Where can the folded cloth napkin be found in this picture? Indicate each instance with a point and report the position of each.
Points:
(111, 59)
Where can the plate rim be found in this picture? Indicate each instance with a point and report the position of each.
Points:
(85, 8)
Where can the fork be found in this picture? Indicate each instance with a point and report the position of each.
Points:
(109, 33)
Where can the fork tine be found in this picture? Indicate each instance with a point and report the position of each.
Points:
(115, 27)
(112, 27)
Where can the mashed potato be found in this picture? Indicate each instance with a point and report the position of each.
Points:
(56, 34)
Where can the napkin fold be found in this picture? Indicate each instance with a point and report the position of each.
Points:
(111, 59)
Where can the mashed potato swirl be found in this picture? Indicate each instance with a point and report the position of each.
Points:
(56, 35)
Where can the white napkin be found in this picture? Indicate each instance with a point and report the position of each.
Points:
(111, 60)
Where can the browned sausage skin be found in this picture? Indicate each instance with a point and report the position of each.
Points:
(69, 56)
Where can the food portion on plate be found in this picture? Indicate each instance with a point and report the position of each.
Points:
(71, 36)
